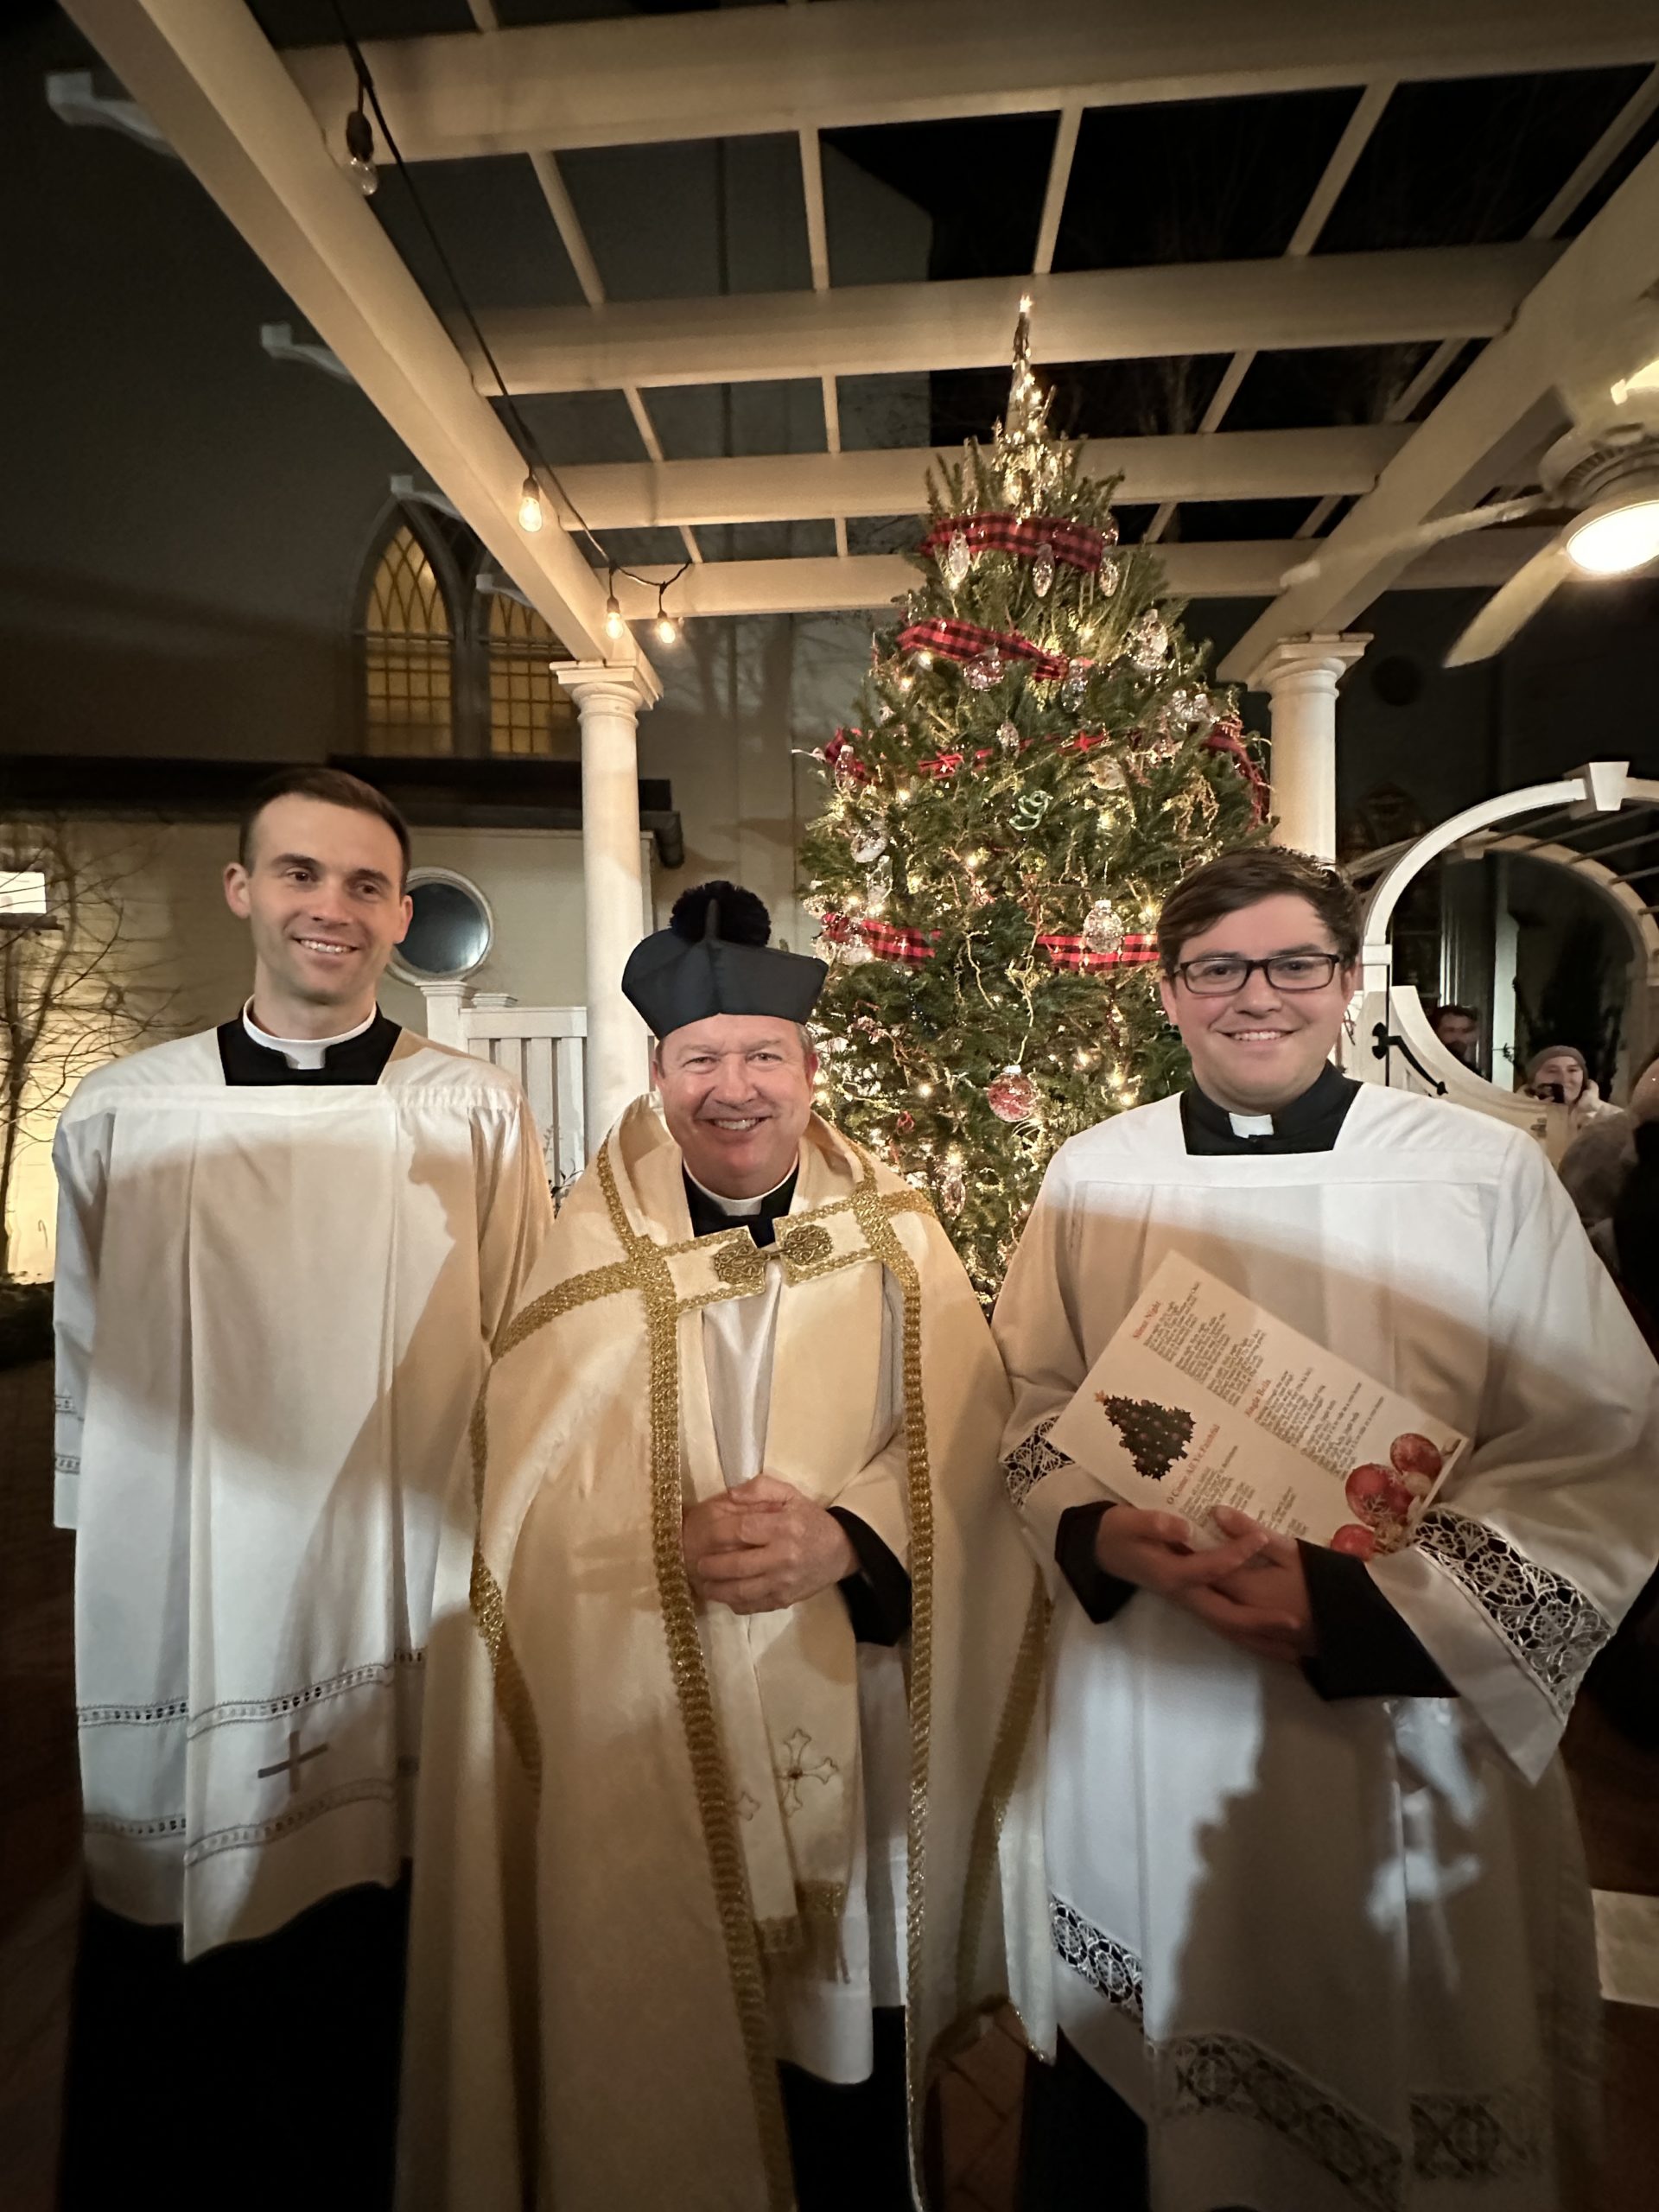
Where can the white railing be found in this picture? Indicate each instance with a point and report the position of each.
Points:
(544, 1046)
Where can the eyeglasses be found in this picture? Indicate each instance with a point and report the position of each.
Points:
(1220, 973)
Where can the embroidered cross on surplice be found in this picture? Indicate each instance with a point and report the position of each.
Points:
(290, 1766)
(798, 1768)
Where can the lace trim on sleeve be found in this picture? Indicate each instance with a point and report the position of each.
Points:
(1546, 1621)
(1027, 1464)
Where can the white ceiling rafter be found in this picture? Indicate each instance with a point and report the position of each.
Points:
(210, 81)
(1349, 299)
(817, 248)
(1247, 570)
(1500, 408)
(1589, 172)
(569, 224)
(573, 238)
(1066, 128)
(745, 71)
(1368, 113)
(789, 487)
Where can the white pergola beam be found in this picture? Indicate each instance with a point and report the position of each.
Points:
(210, 81)
(799, 486)
(1349, 299)
(1503, 402)
(733, 72)
(1247, 570)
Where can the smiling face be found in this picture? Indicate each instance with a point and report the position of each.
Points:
(737, 1095)
(1259, 1048)
(323, 896)
(1564, 1069)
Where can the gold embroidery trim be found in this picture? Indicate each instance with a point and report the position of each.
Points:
(698, 1718)
(810, 1941)
(1007, 1752)
(875, 1212)
(807, 1245)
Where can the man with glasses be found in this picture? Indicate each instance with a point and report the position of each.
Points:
(1322, 1938)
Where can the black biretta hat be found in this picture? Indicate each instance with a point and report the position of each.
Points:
(714, 958)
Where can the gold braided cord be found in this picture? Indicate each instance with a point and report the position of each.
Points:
(490, 1612)
(874, 1211)
(697, 1719)
(1006, 1752)
(578, 1290)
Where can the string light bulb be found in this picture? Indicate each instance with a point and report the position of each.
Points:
(530, 516)
(614, 626)
(667, 628)
(360, 150)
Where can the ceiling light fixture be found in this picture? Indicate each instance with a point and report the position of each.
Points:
(360, 149)
(1619, 535)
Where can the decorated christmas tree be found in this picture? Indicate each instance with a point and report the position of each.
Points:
(1155, 1436)
(1039, 757)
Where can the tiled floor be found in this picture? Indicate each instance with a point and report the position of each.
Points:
(1616, 1786)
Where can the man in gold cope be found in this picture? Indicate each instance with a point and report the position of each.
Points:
(727, 1819)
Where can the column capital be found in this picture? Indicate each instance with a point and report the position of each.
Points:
(1321, 659)
(631, 686)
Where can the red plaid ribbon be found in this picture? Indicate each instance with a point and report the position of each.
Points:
(1228, 737)
(910, 946)
(840, 756)
(1136, 952)
(967, 641)
(1074, 542)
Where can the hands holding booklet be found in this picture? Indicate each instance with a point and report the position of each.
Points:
(1236, 1436)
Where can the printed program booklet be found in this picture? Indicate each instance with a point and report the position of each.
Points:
(1203, 1398)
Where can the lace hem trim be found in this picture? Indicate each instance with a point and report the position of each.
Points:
(1546, 1621)
(1109, 1968)
(1027, 1464)
(1454, 2136)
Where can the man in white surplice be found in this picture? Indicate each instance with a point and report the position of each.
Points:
(1321, 1937)
(285, 1246)
(726, 1825)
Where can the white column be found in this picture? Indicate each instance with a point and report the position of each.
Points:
(1300, 675)
(609, 701)
(444, 1002)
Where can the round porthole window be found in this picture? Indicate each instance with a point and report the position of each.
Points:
(452, 931)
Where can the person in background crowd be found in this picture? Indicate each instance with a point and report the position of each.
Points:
(1458, 1028)
(1559, 1076)
(1611, 1171)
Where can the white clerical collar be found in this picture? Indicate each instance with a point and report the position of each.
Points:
(742, 1209)
(1251, 1125)
(301, 1051)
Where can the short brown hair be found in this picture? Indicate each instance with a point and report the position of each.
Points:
(1234, 881)
(331, 785)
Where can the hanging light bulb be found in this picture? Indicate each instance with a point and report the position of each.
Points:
(360, 149)
(530, 516)
(667, 628)
(614, 626)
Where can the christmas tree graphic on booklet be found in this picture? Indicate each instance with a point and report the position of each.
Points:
(1155, 1436)
(1204, 1398)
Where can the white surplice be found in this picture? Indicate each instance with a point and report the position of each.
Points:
(275, 1306)
(1338, 1954)
(823, 2023)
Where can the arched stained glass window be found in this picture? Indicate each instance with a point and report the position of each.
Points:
(529, 711)
(408, 654)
